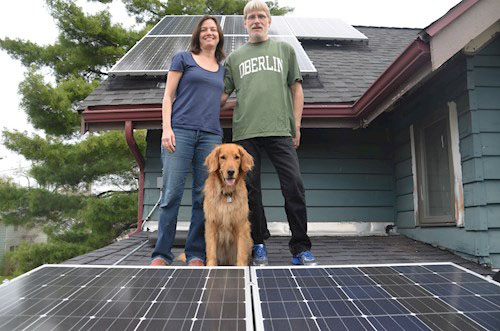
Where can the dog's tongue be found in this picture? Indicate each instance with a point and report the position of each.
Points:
(230, 181)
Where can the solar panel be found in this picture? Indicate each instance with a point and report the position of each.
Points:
(323, 28)
(280, 27)
(233, 24)
(177, 25)
(305, 64)
(232, 43)
(390, 297)
(151, 55)
(127, 298)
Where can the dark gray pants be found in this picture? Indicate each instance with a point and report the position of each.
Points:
(284, 158)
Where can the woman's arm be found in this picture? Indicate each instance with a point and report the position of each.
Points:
(168, 137)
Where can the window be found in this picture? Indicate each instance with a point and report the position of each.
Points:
(435, 181)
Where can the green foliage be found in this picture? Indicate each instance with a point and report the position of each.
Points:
(109, 216)
(29, 256)
(75, 224)
(30, 207)
(151, 11)
(73, 165)
(87, 44)
(53, 108)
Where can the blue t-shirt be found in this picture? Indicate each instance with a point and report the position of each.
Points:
(197, 99)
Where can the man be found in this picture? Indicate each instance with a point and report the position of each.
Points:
(267, 115)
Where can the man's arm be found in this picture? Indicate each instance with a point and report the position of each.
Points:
(225, 104)
(298, 107)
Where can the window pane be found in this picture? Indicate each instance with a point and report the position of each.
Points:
(437, 168)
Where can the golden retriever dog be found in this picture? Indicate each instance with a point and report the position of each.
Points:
(227, 229)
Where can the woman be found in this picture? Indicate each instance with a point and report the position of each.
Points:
(191, 129)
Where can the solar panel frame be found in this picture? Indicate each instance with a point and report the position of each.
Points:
(471, 320)
(305, 64)
(126, 315)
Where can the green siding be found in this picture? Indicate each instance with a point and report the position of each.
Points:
(474, 84)
(348, 176)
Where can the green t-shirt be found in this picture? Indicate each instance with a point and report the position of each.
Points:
(261, 75)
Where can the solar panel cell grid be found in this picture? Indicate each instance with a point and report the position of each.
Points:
(425, 297)
(177, 25)
(152, 55)
(233, 24)
(127, 299)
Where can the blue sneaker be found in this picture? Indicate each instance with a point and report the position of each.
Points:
(259, 255)
(304, 258)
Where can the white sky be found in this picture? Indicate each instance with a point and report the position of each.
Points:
(29, 19)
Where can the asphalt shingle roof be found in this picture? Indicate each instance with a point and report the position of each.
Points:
(345, 71)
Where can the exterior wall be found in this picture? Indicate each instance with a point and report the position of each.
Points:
(13, 236)
(347, 175)
(474, 85)
(482, 161)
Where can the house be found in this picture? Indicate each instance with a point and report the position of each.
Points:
(402, 131)
(11, 236)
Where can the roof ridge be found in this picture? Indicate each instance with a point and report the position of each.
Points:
(387, 27)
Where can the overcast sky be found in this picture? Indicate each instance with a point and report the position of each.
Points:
(29, 19)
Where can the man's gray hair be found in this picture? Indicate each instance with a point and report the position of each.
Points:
(256, 5)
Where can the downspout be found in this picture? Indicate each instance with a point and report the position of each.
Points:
(129, 136)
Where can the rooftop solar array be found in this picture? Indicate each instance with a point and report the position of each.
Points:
(127, 298)
(393, 297)
(153, 54)
(434, 296)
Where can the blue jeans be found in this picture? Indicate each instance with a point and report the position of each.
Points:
(192, 147)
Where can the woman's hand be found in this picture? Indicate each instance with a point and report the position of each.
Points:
(168, 139)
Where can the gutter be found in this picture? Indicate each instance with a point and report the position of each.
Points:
(129, 136)
(410, 61)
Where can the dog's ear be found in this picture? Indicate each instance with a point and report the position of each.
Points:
(246, 160)
(212, 160)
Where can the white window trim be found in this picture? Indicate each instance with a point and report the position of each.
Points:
(457, 168)
(416, 192)
(457, 164)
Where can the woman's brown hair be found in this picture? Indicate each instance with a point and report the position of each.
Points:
(195, 39)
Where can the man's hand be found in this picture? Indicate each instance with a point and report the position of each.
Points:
(296, 139)
(168, 139)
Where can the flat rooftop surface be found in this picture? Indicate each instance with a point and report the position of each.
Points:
(335, 250)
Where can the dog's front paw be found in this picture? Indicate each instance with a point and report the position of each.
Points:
(211, 263)
(242, 263)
